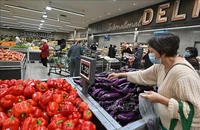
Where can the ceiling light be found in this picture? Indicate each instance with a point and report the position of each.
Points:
(83, 23)
(41, 24)
(48, 8)
(93, 19)
(74, 26)
(67, 11)
(23, 8)
(4, 10)
(133, 3)
(119, 9)
(42, 21)
(114, 0)
(28, 23)
(100, 16)
(44, 16)
(7, 18)
(108, 13)
(65, 22)
(26, 18)
(39, 28)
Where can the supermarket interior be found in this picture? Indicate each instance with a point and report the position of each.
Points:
(99, 64)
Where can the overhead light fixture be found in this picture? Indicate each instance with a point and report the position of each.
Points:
(42, 21)
(26, 18)
(93, 19)
(23, 8)
(39, 28)
(67, 11)
(3, 10)
(119, 9)
(74, 26)
(52, 25)
(99, 16)
(48, 8)
(65, 22)
(41, 24)
(7, 18)
(108, 13)
(28, 23)
(44, 16)
(133, 3)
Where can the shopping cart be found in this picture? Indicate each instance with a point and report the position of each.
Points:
(58, 63)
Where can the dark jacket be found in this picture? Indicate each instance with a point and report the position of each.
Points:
(44, 50)
(138, 57)
(193, 61)
(147, 62)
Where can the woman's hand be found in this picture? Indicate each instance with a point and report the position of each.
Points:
(113, 75)
(155, 97)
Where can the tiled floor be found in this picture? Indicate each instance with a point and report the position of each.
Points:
(38, 71)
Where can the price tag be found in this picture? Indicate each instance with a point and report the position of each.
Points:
(85, 69)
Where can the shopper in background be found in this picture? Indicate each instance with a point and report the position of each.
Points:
(190, 55)
(113, 52)
(177, 82)
(93, 47)
(110, 50)
(44, 52)
(17, 40)
(138, 54)
(75, 52)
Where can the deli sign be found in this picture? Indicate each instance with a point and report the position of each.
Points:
(166, 14)
(161, 13)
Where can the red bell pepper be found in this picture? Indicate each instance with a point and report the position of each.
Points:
(46, 97)
(59, 117)
(83, 106)
(71, 98)
(69, 125)
(42, 106)
(37, 112)
(30, 82)
(88, 125)
(45, 116)
(73, 92)
(74, 115)
(87, 115)
(10, 112)
(1, 81)
(17, 90)
(57, 91)
(37, 82)
(78, 101)
(4, 90)
(22, 109)
(8, 101)
(67, 108)
(11, 123)
(41, 122)
(67, 87)
(19, 82)
(41, 128)
(13, 82)
(28, 91)
(3, 117)
(64, 94)
(36, 96)
(28, 124)
(58, 98)
(55, 124)
(31, 102)
(58, 129)
(51, 83)
(7, 82)
(2, 109)
(42, 87)
(20, 99)
(52, 108)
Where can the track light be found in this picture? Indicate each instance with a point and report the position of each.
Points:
(44, 16)
(23, 8)
(41, 24)
(7, 18)
(26, 18)
(48, 8)
(4, 10)
(42, 21)
(74, 26)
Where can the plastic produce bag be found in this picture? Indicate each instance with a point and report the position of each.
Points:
(149, 113)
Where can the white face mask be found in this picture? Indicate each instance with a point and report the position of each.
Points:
(152, 58)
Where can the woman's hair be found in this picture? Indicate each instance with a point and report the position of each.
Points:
(167, 44)
(193, 51)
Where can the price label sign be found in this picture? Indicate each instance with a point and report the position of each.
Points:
(85, 69)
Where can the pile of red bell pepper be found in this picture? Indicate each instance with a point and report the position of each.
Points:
(37, 105)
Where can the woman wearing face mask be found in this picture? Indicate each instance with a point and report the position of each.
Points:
(178, 84)
(190, 55)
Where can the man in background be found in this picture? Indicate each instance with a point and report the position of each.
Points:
(138, 54)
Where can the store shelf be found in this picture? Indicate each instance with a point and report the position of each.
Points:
(6, 64)
(137, 125)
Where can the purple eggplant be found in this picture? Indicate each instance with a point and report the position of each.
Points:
(102, 80)
(120, 81)
(109, 96)
(126, 117)
(78, 82)
(96, 91)
(151, 125)
(103, 92)
(108, 102)
(123, 85)
(106, 86)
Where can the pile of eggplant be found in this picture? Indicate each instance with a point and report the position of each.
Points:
(118, 97)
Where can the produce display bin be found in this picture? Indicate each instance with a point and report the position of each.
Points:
(137, 125)
(34, 55)
(5, 47)
(13, 69)
(22, 50)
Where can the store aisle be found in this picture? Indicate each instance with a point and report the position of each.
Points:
(38, 71)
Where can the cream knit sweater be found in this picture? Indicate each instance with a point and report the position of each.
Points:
(181, 84)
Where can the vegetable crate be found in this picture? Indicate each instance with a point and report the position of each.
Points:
(58, 62)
